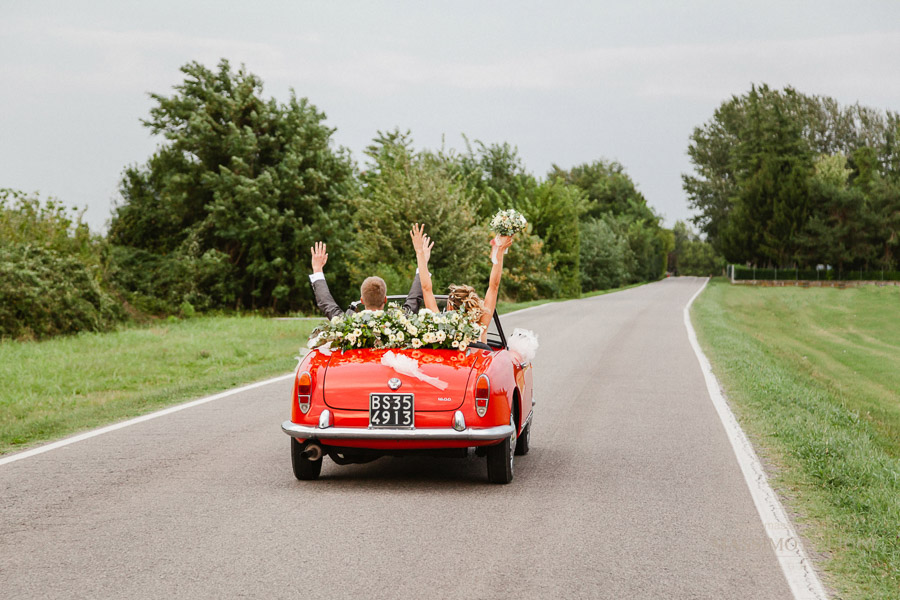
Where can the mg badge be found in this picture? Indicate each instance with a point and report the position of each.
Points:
(394, 383)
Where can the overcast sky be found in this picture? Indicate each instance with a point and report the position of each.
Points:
(565, 82)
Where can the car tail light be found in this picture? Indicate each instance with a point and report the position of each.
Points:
(482, 394)
(304, 387)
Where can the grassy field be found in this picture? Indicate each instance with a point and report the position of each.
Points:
(814, 378)
(60, 386)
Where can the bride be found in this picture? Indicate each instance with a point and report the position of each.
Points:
(461, 297)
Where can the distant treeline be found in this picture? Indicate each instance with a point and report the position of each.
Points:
(783, 179)
(222, 215)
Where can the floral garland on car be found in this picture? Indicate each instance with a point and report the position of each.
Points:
(394, 328)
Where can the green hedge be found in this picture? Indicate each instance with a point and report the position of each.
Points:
(749, 273)
(45, 293)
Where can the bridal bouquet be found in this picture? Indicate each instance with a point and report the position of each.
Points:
(508, 222)
(393, 328)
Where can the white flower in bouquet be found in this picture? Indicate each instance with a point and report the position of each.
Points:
(508, 222)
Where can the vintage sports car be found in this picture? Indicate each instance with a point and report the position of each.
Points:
(355, 406)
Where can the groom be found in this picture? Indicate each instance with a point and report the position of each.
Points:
(373, 292)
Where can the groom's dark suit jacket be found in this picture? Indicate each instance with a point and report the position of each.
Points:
(327, 305)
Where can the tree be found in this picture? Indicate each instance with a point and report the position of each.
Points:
(610, 194)
(252, 181)
(753, 163)
(691, 255)
(835, 231)
(553, 210)
(404, 187)
(752, 182)
(494, 173)
(604, 256)
(608, 189)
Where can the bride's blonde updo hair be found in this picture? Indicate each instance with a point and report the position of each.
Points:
(464, 297)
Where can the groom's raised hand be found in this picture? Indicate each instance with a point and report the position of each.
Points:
(319, 256)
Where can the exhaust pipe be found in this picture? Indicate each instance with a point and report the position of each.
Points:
(312, 452)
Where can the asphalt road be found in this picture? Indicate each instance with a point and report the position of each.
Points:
(631, 490)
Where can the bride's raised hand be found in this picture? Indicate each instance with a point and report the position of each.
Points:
(504, 241)
(421, 242)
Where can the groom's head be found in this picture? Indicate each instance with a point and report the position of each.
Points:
(373, 293)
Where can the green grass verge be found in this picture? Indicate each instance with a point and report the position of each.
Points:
(507, 307)
(60, 386)
(813, 376)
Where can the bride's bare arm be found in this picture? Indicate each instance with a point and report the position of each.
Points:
(423, 245)
(490, 297)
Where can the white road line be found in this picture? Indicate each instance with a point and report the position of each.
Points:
(136, 420)
(797, 567)
(521, 310)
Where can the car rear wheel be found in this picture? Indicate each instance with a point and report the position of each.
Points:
(500, 457)
(523, 445)
(304, 469)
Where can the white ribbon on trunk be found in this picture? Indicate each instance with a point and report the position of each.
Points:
(410, 366)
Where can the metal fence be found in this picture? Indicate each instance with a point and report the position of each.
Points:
(742, 273)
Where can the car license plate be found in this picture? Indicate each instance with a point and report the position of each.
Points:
(391, 410)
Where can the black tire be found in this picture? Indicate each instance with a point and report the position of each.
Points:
(523, 444)
(304, 469)
(500, 458)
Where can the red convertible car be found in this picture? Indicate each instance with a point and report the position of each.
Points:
(354, 408)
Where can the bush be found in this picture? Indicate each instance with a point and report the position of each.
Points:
(605, 257)
(44, 292)
(699, 258)
(528, 272)
(162, 284)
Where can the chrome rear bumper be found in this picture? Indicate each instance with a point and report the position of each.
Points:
(306, 432)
